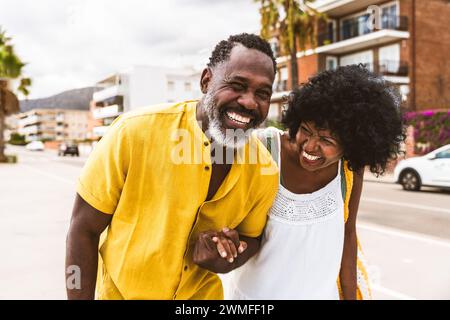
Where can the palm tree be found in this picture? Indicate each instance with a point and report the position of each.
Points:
(10, 69)
(296, 28)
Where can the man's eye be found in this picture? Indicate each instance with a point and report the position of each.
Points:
(264, 95)
(237, 86)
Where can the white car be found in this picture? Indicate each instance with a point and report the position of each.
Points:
(35, 146)
(432, 169)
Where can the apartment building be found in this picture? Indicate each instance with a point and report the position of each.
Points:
(137, 87)
(53, 124)
(408, 44)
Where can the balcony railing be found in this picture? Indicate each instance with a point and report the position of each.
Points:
(352, 29)
(107, 112)
(393, 68)
(388, 68)
(107, 93)
(280, 86)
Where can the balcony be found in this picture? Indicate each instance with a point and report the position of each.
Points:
(100, 131)
(107, 112)
(280, 86)
(280, 90)
(339, 8)
(33, 119)
(355, 35)
(34, 129)
(393, 68)
(107, 93)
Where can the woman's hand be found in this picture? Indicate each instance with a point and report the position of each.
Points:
(216, 251)
(228, 244)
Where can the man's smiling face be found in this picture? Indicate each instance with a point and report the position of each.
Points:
(238, 92)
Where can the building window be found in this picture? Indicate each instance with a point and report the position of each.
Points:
(364, 57)
(171, 85)
(389, 17)
(187, 86)
(389, 59)
(281, 84)
(275, 47)
(404, 90)
(331, 63)
(355, 26)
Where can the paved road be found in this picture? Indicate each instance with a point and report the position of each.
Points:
(405, 236)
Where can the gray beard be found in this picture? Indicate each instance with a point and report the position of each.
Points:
(230, 139)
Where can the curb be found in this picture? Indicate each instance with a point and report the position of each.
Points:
(380, 181)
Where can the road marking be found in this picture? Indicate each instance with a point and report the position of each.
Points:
(391, 293)
(49, 175)
(404, 234)
(405, 204)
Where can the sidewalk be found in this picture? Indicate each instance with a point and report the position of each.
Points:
(387, 177)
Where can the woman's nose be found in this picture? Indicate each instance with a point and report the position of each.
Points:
(310, 144)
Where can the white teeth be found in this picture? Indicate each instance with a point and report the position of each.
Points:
(310, 157)
(238, 118)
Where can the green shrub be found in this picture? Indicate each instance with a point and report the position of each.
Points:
(17, 140)
(274, 123)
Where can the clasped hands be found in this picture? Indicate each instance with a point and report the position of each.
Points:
(218, 251)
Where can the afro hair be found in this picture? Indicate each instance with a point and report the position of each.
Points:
(359, 107)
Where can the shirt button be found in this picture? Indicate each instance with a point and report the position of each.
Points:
(207, 168)
(185, 268)
(206, 143)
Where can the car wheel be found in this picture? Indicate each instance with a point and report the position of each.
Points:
(410, 180)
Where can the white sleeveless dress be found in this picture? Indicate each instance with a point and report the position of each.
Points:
(301, 248)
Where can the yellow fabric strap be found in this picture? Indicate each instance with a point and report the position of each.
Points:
(363, 291)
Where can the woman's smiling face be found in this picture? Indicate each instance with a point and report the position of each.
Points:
(317, 148)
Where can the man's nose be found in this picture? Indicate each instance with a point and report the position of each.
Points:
(247, 100)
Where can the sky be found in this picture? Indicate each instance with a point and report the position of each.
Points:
(70, 44)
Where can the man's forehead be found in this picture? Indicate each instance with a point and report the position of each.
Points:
(249, 61)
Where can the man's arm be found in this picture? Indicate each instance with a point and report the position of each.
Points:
(348, 264)
(82, 243)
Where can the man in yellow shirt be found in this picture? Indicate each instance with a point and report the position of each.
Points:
(160, 179)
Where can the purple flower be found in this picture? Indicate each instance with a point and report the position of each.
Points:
(428, 113)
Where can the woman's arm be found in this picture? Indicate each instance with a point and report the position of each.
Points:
(348, 264)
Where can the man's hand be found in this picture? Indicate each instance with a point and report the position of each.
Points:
(216, 251)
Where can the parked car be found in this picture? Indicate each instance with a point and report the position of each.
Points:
(35, 146)
(68, 148)
(432, 169)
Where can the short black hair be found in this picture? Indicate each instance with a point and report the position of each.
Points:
(223, 49)
(359, 107)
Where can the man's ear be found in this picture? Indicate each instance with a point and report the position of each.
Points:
(205, 80)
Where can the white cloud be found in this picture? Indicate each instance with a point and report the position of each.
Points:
(74, 43)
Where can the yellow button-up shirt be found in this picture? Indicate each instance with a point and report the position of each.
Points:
(151, 171)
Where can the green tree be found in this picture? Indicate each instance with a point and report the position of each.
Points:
(10, 69)
(294, 24)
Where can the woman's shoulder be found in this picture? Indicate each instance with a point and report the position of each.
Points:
(269, 132)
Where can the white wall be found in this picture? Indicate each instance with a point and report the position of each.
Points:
(148, 85)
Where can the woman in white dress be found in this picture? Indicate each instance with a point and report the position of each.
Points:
(338, 123)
